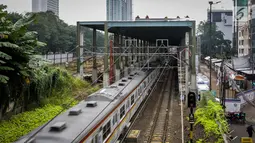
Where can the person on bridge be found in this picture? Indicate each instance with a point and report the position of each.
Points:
(250, 130)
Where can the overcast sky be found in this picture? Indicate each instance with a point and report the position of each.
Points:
(91, 10)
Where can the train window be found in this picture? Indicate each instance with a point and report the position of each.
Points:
(106, 130)
(114, 120)
(122, 111)
(132, 99)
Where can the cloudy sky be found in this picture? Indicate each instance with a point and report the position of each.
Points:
(90, 10)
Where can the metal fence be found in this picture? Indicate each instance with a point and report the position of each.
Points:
(58, 58)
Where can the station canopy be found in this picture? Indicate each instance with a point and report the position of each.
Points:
(146, 29)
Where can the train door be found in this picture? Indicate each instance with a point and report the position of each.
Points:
(114, 126)
(100, 137)
(128, 108)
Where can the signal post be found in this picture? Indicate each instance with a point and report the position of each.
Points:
(191, 105)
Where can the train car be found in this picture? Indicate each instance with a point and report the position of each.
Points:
(102, 117)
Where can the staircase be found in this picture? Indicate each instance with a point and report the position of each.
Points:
(181, 78)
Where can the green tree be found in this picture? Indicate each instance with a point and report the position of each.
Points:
(59, 36)
(14, 16)
(220, 47)
(17, 48)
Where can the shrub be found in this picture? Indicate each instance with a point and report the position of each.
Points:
(211, 116)
(53, 89)
(23, 123)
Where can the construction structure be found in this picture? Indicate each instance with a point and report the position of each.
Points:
(138, 43)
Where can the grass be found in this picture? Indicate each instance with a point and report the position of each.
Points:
(63, 89)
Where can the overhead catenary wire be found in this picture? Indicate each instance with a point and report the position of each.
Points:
(143, 106)
(68, 105)
(110, 102)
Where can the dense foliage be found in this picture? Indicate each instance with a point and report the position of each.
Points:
(17, 48)
(54, 90)
(26, 82)
(211, 116)
(23, 123)
(220, 46)
(23, 79)
(59, 36)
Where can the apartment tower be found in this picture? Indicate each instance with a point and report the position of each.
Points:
(45, 5)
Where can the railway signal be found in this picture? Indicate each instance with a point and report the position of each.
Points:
(191, 99)
(191, 118)
(191, 105)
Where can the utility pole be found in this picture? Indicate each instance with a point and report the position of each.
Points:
(223, 83)
(234, 33)
(237, 30)
(251, 46)
(210, 45)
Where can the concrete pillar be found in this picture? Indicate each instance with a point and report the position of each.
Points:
(137, 61)
(132, 51)
(144, 52)
(148, 56)
(127, 58)
(193, 58)
(106, 57)
(94, 70)
(187, 66)
(80, 43)
(116, 57)
(122, 57)
(132, 63)
(141, 52)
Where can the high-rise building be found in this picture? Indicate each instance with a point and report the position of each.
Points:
(223, 20)
(45, 5)
(119, 9)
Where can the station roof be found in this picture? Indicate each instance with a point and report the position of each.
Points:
(146, 29)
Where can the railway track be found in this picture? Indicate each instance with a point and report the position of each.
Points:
(158, 131)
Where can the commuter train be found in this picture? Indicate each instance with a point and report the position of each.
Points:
(102, 117)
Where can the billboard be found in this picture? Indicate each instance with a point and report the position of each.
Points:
(241, 10)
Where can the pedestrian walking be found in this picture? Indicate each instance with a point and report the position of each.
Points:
(250, 130)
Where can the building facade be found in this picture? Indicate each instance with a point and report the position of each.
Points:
(243, 40)
(251, 18)
(119, 10)
(46, 5)
(246, 32)
(223, 20)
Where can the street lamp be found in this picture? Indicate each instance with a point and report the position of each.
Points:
(210, 45)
